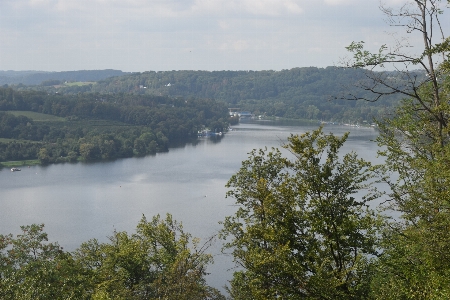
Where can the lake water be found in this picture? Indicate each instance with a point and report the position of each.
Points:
(78, 202)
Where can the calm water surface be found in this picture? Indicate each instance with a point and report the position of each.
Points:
(77, 202)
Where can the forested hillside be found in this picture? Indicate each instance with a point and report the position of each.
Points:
(94, 126)
(306, 93)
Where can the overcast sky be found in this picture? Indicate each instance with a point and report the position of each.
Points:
(144, 35)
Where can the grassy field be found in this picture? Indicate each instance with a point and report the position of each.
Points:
(79, 83)
(3, 140)
(21, 163)
(37, 116)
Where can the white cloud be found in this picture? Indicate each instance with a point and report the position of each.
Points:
(224, 24)
(39, 2)
(254, 7)
(339, 2)
(138, 35)
(237, 46)
(315, 50)
(365, 2)
(272, 7)
(394, 2)
(163, 8)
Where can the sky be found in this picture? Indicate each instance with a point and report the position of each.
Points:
(160, 35)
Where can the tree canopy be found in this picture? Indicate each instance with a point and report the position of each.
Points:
(159, 261)
(300, 230)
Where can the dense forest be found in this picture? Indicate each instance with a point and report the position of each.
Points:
(94, 126)
(308, 93)
(305, 93)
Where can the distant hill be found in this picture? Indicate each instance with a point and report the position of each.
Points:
(37, 77)
(308, 93)
(305, 93)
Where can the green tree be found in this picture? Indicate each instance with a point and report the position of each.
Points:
(89, 151)
(43, 156)
(312, 112)
(415, 260)
(300, 231)
(159, 261)
(154, 263)
(31, 268)
(415, 263)
(416, 16)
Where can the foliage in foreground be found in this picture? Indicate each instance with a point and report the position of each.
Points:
(415, 263)
(300, 231)
(416, 143)
(159, 261)
(414, 244)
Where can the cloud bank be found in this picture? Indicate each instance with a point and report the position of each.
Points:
(140, 35)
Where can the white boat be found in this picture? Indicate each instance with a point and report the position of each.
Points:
(15, 169)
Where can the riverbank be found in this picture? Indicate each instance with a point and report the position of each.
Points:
(19, 163)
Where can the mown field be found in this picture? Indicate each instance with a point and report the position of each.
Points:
(19, 163)
(79, 83)
(38, 117)
(5, 140)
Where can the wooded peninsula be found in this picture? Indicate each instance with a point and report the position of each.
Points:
(64, 128)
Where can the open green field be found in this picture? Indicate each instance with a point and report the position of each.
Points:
(39, 117)
(79, 83)
(20, 163)
(4, 140)
(36, 116)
